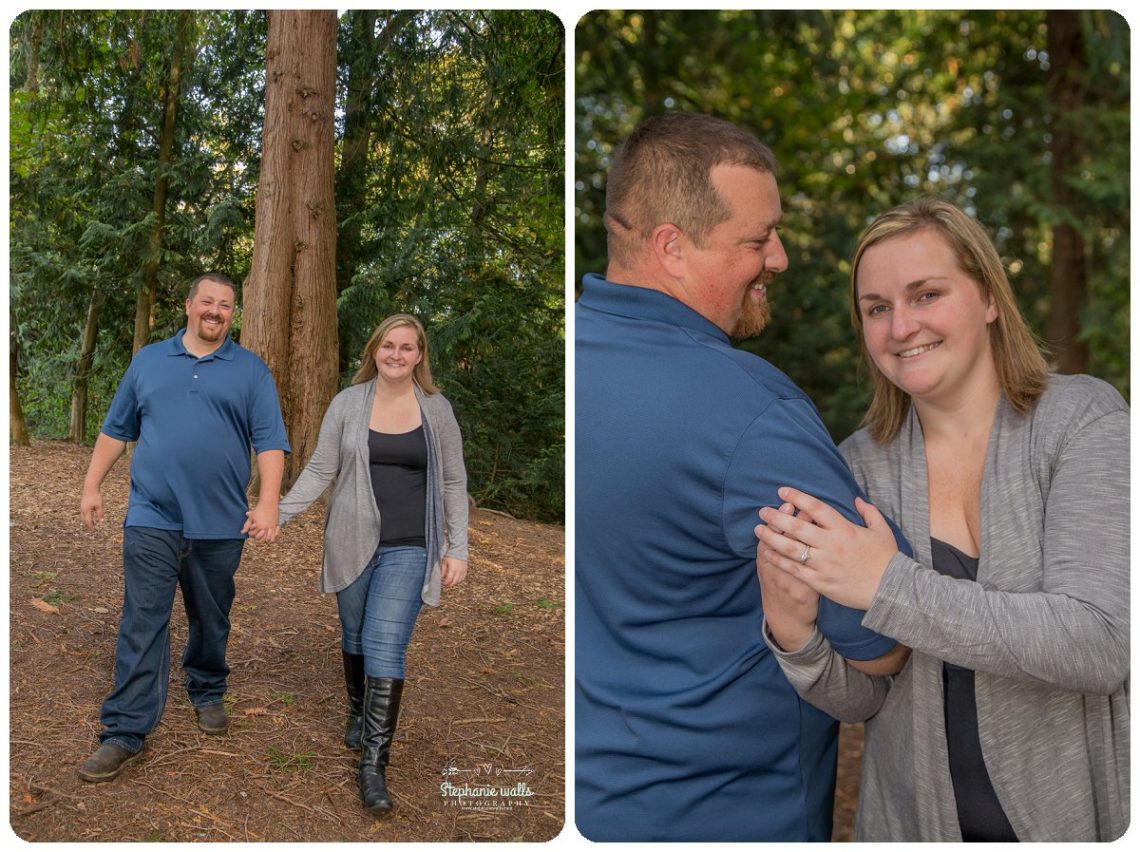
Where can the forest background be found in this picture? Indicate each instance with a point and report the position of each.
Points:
(136, 149)
(1021, 117)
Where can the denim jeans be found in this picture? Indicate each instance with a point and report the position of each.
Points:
(378, 611)
(155, 562)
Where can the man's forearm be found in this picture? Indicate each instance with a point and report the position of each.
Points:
(103, 457)
(270, 470)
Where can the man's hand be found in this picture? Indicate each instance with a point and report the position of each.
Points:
(103, 457)
(91, 507)
(261, 523)
(452, 571)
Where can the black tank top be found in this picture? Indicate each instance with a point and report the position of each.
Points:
(980, 814)
(398, 464)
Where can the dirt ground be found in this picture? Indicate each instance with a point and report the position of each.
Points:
(483, 703)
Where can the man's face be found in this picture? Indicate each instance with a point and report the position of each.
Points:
(728, 276)
(210, 313)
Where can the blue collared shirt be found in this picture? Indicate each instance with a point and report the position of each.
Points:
(195, 420)
(686, 729)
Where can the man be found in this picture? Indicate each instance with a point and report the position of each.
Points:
(195, 403)
(686, 729)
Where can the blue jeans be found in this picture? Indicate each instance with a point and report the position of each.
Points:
(154, 563)
(378, 611)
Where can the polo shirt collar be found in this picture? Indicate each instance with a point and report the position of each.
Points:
(225, 351)
(645, 304)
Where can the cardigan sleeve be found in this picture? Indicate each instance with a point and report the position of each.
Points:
(825, 680)
(1073, 632)
(322, 466)
(455, 506)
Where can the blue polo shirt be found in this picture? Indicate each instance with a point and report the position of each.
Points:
(685, 727)
(195, 420)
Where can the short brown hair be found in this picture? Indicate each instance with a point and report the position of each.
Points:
(217, 278)
(662, 173)
(1021, 368)
(421, 374)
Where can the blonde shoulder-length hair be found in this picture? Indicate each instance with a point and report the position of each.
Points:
(1021, 368)
(421, 375)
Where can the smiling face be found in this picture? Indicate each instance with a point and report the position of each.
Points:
(209, 315)
(728, 274)
(925, 322)
(398, 353)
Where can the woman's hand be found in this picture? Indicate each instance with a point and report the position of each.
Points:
(790, 605)
(452, 571)
(837, 558)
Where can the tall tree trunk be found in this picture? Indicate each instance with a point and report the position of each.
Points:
(17, 425)
(148, 290)
(290, 295)
(1068, 275)
(77, 423)
(35, 42)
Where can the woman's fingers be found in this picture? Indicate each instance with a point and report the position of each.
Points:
(792, 527)
(785, 545)
(818, 511)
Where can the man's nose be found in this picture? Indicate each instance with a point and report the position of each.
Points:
(777, 259)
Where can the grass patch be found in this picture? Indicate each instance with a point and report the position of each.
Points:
(56, 598)
(301, 761)
(546, 603)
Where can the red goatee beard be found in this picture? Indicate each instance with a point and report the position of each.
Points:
(754, 316)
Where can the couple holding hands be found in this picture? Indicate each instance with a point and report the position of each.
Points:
(390, 447)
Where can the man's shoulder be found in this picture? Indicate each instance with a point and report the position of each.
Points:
(158, 349)
(245, 357)
(754, 373)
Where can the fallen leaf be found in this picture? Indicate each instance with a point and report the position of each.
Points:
(255, 711)
(445, 622)
(44, 606)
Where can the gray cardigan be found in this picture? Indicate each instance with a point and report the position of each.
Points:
(352, 528)
(1045, 627)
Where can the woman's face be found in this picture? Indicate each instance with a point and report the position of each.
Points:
(398, 353)
(925, 323)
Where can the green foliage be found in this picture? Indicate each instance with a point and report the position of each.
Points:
(454, 212)
(865, 110)
(460, 222)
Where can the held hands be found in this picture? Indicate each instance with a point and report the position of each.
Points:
(844, 561)
(452, 571)
(261, 523)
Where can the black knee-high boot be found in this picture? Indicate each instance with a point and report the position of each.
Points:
(354, 686)
(381, 712)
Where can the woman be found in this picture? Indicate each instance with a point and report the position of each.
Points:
(396, 529)
(1010, 720)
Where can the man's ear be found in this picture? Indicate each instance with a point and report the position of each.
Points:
(669, 247)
